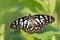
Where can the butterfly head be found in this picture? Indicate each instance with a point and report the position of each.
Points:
(30, 15)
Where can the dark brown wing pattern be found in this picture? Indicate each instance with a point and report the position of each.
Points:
(31, 24)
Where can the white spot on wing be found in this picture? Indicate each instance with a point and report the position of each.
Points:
(41, 16)
(21, 19)
(42, 20)
(21, 23)
(28, 24)
(31, 29)
(14, 25)
(36, 28)
(21, 26)
(16, 22)
(49, 17)
(26, 30)
(46, 17)
(37, 20)
(25, 21)
(43, 23)
(24, 25)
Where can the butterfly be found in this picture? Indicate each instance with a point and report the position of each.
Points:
(32, 24)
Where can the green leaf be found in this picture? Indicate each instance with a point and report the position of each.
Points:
(52, 5)
(47, 33)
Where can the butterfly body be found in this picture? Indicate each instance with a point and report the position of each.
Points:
(31, 24)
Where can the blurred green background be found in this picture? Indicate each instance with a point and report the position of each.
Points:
(11, 10)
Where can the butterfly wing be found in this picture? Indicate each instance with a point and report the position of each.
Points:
(41, 20)
(19, 23)
(37, 21)
(45, 18)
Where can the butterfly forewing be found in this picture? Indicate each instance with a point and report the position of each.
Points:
(19, 23)
(40, 19)
(45, 18)
(32, 24)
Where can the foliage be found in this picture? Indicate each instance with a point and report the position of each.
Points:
(11, 10)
